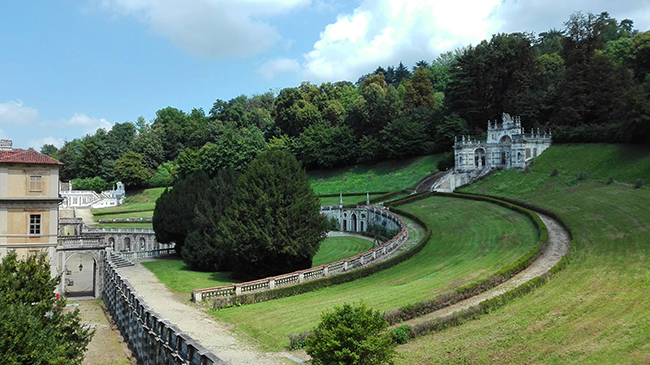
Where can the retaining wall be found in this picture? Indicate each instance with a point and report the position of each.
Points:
(153, 339)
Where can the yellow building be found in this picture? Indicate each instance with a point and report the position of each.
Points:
(29, 202)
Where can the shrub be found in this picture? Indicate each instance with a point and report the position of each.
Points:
(583, 175)
(351, 334)
(610, 180)
(400, 334)
(369, 176)
(345, 178)
(638, 183)
(554, 172)
(447, 162)
(297, 340)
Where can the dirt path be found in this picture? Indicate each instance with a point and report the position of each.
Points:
(558, 244)
(86, 215)
(214, 335)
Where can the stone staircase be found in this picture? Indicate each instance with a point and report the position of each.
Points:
(120, 261)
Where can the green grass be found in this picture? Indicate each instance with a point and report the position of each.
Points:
(471, 240)
(175, 274)
(340, 247)
(384, 176)
(596, 310)
(135, 201)
(147, 213)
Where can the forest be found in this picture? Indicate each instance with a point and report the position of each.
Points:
(587, 82)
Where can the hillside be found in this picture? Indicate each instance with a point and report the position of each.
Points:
(596, 310)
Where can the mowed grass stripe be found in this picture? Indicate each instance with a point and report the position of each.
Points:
(470, 241)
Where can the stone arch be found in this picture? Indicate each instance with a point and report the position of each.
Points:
(111, 242)
(479, 157)
(127, 244)
(505, 139)
(353, 225)
(82, 274)
(142, 244)
(519, 156)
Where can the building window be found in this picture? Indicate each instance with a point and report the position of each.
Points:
(34, 224)
(35, 183)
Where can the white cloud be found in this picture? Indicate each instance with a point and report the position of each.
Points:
(385, 32)
(278, 65)
(211, 28)
(13, 112)
(38, 143)
(89, 124)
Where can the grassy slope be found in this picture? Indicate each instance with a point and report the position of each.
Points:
(595, 311)
(384, 176)
(338, 248)
(347, 200)
(471, 240)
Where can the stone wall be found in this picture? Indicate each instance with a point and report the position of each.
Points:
(153, 339)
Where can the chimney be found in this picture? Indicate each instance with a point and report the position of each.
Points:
(6, 145)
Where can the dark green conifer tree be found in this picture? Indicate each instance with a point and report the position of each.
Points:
(273, 225)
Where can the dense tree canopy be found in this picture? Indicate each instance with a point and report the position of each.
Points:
(587, 82)
(33, 328)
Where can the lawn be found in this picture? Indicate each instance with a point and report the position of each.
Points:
(340, 247)
(471, 240)
(384, 176)
(596, 310)
(175, 274)
(124, 225)
(135, 201)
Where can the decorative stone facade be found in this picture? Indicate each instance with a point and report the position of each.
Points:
(507, 146)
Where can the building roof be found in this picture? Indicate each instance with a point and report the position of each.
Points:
(17, 155)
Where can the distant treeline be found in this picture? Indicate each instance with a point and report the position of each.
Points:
(588, 82)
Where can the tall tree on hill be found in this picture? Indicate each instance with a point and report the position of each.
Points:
(174, 213)
(273, 225)
(202, 251)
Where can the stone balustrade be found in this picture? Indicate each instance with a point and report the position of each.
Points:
(153, 339)
(120, 230)
(136, 255)
(297, 277)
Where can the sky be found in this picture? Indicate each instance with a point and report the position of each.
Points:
(69, 67)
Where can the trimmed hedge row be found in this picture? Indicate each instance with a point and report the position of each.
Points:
(305, 287)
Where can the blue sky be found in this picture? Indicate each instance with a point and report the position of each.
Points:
(69, 67)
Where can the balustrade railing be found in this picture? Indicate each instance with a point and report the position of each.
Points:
(345, 265)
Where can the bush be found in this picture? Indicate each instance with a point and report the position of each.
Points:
(400, 334)
(96, 184)
(554, 172)
(638, 183)
(351, 334)
(297, 340)
(583, 175)
(447, 162)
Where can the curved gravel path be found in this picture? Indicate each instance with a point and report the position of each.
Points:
(558, 245)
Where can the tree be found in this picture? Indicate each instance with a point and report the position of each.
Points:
(351, 334)
(174, 213)
(33, 328)
(273, 225)
(130, 170)
(49, 149)
(419, 90)
(201, 250)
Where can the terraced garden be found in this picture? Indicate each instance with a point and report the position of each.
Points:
(471, 240)
(597, 309)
